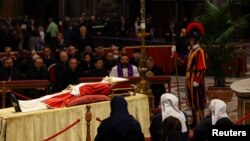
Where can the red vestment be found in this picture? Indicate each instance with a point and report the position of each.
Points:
(88, 89)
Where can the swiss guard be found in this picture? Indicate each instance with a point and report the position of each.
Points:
(196, 66)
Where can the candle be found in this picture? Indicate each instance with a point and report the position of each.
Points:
(143, 26)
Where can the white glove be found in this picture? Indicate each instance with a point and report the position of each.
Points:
(173, 48)
(195, 84)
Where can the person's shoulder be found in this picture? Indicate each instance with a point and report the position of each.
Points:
(114, 68)
(156, 122)
(158, 70)
(157, 117)
(204, 124)
(177, 136)
(106, 123)
(225, 121)
(134, 67)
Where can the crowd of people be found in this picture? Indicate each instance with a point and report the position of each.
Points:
(70, 51)
(171, 124)
(27, 33)
(30, 51)
(69, 66)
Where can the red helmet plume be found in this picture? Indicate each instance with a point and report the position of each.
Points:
(195, 29)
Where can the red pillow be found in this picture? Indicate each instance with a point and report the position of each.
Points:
(121, 88)
(87, 99)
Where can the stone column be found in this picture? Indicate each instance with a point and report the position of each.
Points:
(61, 9)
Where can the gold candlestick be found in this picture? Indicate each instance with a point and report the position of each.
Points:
(143, 86)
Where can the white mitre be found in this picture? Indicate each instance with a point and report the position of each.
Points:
(112, 80)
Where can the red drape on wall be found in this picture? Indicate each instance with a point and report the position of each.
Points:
(161, 55)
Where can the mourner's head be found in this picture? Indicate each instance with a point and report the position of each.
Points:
(195, 31)
(118, 105)
(63, 56)
(137, 54)
(150, 62)
(73, 63)
(46, 51)
(183, 32)
(98, 62)
(8, 63)
(71, 50)
(60, 36)
(38, 63)
(124, 60)
(218, 109)
(110, 56)
(83, 30)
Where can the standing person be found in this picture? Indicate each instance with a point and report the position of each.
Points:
(120, 126)
(51, 33)
(61, 44)
(137, 25)
(84, 39)
(157, 89)
(196, 65)
(122, 27)
(181, 51)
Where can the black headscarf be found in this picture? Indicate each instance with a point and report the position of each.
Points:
(120, 126)
(122, 121)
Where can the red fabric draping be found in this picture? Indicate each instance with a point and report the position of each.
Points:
(59, 100)
(161, 55)
(88, 89)
(94, 89)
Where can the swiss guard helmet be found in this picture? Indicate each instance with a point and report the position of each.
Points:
(195, 30)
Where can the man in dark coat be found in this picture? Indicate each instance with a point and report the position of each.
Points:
(60, 70)
(83, 40)
(157, 89)
(7, 73)
(72, 74)
(37, 72)
(99, 70)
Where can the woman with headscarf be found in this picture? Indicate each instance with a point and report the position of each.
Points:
(169, 107)
(218, 109)
(120, 126)
(171, 130)
(219, 112)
